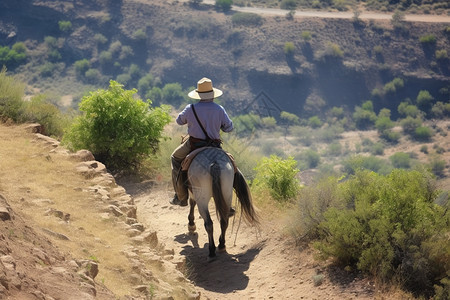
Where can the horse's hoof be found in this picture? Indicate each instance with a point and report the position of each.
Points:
(221, 250)
(211, 258)
(192, 228)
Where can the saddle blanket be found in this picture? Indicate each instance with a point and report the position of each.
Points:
(187, 161)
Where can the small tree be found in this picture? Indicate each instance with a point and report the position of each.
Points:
(65, 26)
(224, 5)
(117, 128)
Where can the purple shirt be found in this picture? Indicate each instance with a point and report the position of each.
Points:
(213, 118)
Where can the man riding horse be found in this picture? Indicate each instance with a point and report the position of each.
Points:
(205, 119)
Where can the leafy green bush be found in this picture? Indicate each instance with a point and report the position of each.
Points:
(140, 35)
(289, 48)
(390, 227)
(93, 75)
(289, 118)
(40, 110)
(278, 176)
(359, 162)
(364, 116)
(437, 166)
(65, 26)
(400, 160)
(408, 110)
(11, 93)
(310, 159)
(423, 133)
(100, 38)
(410, 124)
(314, 122)
(246, 19)
(306, 35)
(288, 4)
(424, 100)
(117, 128)
(440, 110)
(224, 5)
(13, 57)
(428, 39)
(81, 66)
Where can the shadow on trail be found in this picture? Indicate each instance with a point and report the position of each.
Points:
(224, 274)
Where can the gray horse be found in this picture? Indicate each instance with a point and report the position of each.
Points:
(211, 174)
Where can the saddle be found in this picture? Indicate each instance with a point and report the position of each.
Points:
(188, 160)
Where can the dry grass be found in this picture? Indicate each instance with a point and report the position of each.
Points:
(34, 181)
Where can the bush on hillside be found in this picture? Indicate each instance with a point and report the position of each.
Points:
(246, 19)
(11, 93)
(400, 160)
(224, 5)
(423, 133)
(40, 110)
(355, 163)
(65, 26)
(390, 227)
(364, 116)
(13, 57)
(288, 4)
(278, 176)
(117, 128)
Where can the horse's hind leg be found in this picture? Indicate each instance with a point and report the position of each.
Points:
(191, 218)
(223, 227)
(210, 230)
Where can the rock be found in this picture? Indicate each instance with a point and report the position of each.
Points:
(138, 226)
(56, 234)
(115, 210)
(4, 213)
(47, 140)
(148, 237)
(35, 128)
(83, 155)
(8, 262)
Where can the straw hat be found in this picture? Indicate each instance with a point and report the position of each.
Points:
(205, 90)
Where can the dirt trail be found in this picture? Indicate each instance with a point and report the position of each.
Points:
(366, 15)
(260, 265)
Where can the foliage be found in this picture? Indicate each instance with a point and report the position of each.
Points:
(428, 39)
(42, 111)
(441, 55)
(424, 100)
(309, 159)
(224, 5)
(289, 118)
(81, 66)
(332, 51)
(100, 38)
(441, 110)
(364, 116)
(400, 160)
(65, 26)
(278, 176)
(410, 124)
(356, 163)
(306, 35)
(172, 93)
(437, 166)
(246, 124)
(117, 128)
(140, 35)
(314, 122)
(398, 19)
(13, 57)
(408, 110)
(246, 19)
(392, 86)
(11, 93)
(391, 228)
(423, 133)
(289, 48)
(288, 4)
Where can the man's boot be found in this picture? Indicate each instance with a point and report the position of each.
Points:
(178, 180)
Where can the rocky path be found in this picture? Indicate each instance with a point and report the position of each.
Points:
(262, 264)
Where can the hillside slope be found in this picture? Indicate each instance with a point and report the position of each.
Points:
(338, 60)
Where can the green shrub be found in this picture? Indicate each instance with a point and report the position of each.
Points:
(117, 128)
(288, 4)
(81, 66)
(100, 38)
(377, 149)
(65, 26)
(93, 75)
(13, 57)
(246, 19)
(289, 118)
(400, 160)
(408, 110)
(424, 100)
(334, 50)
(437, 166)
(334, 149)
(47, 69)
(313, 202)
(424, 149)
(310, 159)
(364, 116)
(140, 35)
(40, 110)
(389, 227)
(51, 42)
(441, 110)
(11, 94)
(409, 124)
(289, 48)
(306, 36)
(314, 122)
(383, 123)
(278, 176)
(423, 133)
(173, 94)
(359, 162)
(391, 136)
(105, 58)
(428, 39)
(224, 5)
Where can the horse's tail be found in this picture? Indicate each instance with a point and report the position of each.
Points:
(222, 209)
(245, 198)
